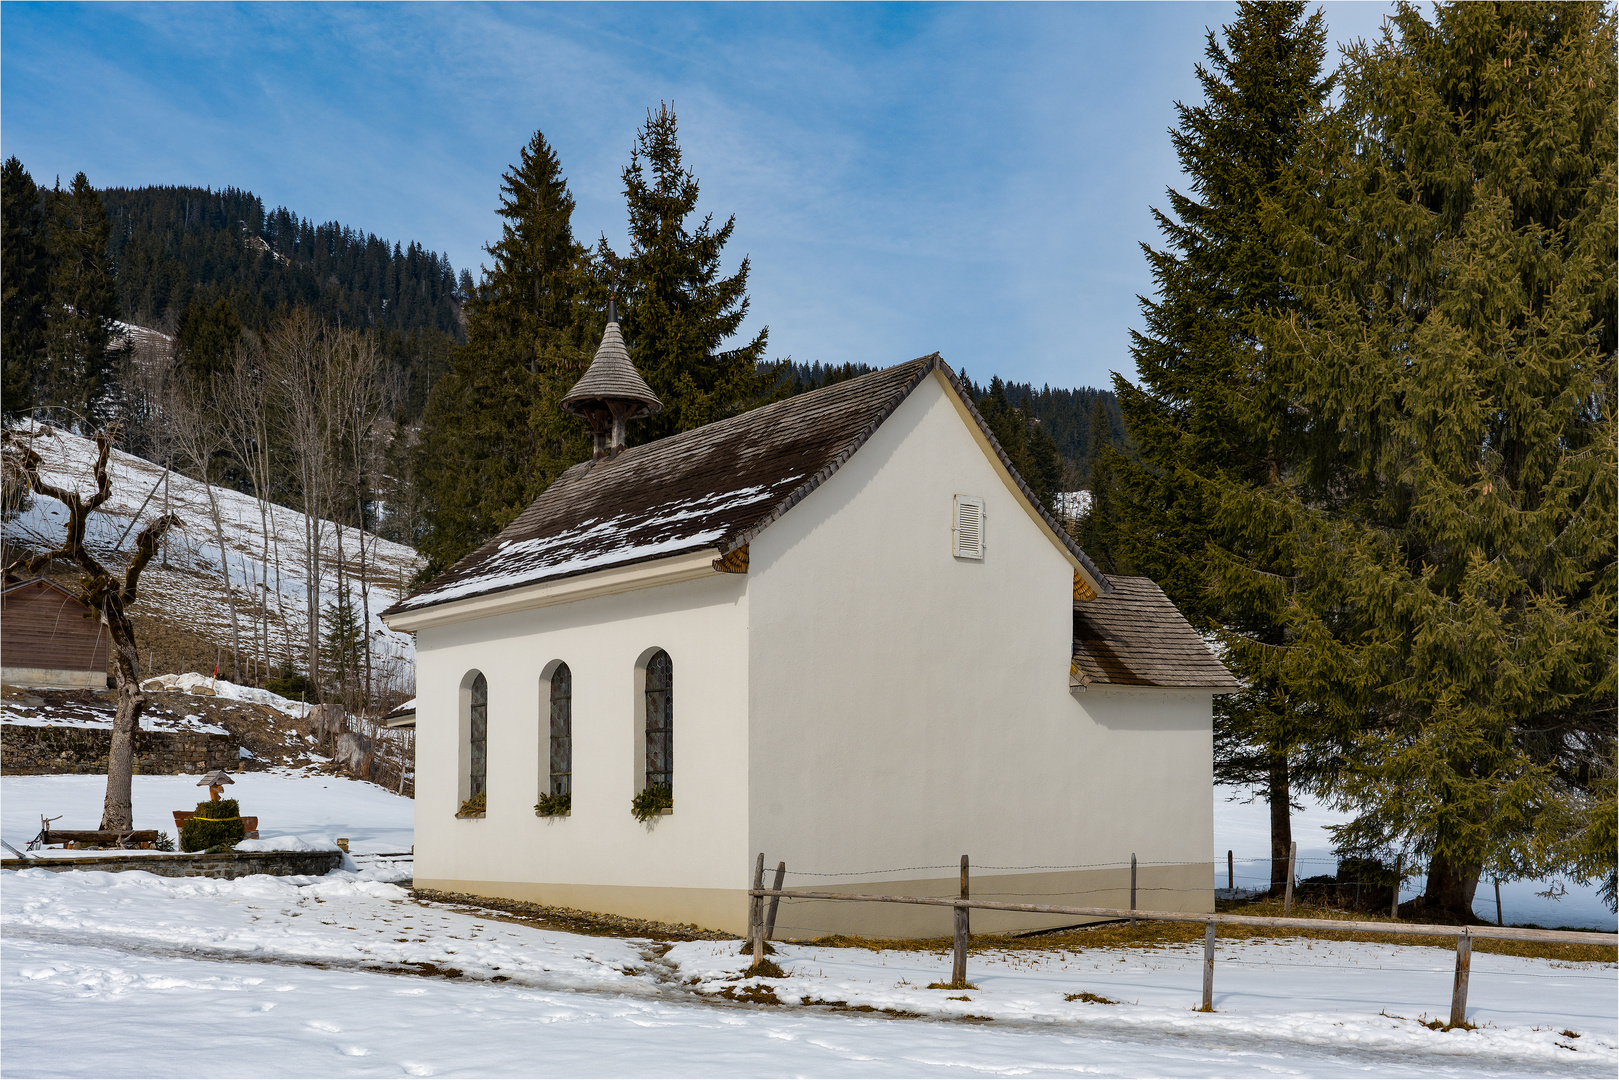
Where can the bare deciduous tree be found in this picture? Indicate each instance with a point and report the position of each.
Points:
(101, 591)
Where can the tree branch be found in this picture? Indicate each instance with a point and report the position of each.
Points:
(146, 545)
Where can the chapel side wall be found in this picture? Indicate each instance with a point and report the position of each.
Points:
(910, 707)
(682, 867)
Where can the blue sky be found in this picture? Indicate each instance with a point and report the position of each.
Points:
(971, 179)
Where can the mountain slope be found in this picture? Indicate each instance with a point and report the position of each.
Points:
(184, 606)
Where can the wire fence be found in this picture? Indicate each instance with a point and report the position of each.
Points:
(765, 905)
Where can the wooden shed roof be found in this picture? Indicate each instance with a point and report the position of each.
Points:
(715, 487)
(1134, 636)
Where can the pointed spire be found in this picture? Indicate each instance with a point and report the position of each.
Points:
(612, 392)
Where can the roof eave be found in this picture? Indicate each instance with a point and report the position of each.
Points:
(617, 578)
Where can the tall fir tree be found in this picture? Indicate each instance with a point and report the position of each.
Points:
(206, 338)
(677, 309)
(83, 304)
(1097, 531)
(1203, 413)
(493, 435)
(1452, 343)
(25, 285)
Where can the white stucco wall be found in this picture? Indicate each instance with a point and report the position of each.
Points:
(599, 846)
(910, 707)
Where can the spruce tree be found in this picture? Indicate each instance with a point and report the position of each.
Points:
(1451, 342)
(205, 341)
(677, 309)
(83, 304)
(1202, 414)
(493, 435)
(1033, 454)
(25, 285)
(1097, 531)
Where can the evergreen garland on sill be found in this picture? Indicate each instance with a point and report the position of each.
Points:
(650, 801)
(473, 807)
(554, 805)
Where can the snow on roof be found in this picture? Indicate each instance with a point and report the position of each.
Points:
(710, 488)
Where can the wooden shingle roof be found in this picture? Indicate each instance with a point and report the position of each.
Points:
(1134, 636)
(714, 487)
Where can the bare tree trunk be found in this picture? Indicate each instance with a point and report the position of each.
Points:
(224, 570)
(1281, 821)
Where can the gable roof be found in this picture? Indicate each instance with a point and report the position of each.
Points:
(1134, 636)
(12, 584)
(716, 486)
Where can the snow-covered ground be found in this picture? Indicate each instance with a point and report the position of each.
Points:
(345, 976)
(286, 804)
(190, 589)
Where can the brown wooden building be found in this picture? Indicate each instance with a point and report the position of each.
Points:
(49, 638)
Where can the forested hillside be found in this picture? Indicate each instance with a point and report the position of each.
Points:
(178, 246)
(1067, 417)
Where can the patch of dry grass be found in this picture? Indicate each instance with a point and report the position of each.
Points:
(1157, 935)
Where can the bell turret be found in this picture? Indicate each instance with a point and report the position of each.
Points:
(612, 392)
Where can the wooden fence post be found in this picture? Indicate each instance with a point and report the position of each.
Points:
(1292, 859)
(770, 921)
(1132, 887)
(1399, 876)
(1498, 921)
(1231, 873)
(1464, 966)
(1208, 968)
(756, 922)
(958, 969)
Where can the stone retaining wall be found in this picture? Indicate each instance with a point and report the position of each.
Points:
(232, 864)
(29, 751)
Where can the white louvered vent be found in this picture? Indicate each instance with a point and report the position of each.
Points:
(968, 529)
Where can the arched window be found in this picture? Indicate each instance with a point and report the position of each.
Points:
(660, 722)
(561, 731)
(478, 737)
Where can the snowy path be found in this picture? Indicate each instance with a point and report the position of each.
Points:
(267, 1020)
(343, 976)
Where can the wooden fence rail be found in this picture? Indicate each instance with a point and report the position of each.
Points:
(1464, 935)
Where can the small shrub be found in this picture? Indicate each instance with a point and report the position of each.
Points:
(473, 807)
(202, 833)
(649, 802)
(554, 805)
(765, 969)
(164, 842)
(222, 810)
(291, 683)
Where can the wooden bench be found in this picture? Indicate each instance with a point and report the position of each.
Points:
(251, 824)
(104, 837)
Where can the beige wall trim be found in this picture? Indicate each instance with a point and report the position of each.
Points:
(613, 579)
(707, 909)
(59, 678)
(1165, 888)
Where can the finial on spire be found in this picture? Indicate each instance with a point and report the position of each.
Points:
(612, 392)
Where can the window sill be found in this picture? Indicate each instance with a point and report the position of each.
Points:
(467, 816)
(666, 811)
(547, 817)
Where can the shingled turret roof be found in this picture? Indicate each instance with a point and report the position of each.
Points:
(611, 376)
(714, 487)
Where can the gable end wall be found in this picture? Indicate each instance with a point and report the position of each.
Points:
(909, 707)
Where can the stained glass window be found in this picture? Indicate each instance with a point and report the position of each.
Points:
(660, 721)
(561, 731)
(478, 735)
